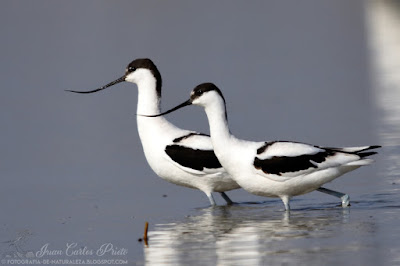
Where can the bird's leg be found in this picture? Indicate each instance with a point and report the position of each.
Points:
(286, 201)
(226, 198)
(211, 198)
(343, 197)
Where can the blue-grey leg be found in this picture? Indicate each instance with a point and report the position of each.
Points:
(211, 198)
(226, 198)
(286, 201)
(343, 197)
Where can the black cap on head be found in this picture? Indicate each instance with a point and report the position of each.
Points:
(204, 87)
(147, 64)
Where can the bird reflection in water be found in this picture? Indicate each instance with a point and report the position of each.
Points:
(243, 233)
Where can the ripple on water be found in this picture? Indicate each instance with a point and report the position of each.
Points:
(256, 234)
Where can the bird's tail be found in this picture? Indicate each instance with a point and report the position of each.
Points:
(363, 152)
(357, 150)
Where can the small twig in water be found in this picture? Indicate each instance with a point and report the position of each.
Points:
(146, 227)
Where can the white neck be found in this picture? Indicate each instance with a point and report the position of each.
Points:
(217, 119)
(233, 153)
(149, 102)
(148, 99)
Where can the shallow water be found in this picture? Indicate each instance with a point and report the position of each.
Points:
(262, 235)
(74, 181)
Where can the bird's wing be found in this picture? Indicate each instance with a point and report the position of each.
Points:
(194, 153)
(283, 160)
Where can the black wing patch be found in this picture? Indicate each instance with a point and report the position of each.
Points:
(192, 158)
(283, 164)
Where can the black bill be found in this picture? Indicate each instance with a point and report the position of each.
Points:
(121, 79)
(188, 102)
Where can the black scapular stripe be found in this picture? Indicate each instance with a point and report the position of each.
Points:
(193, 158)
(188, 136)
(265, 146)
(283, 164)
(269, 144)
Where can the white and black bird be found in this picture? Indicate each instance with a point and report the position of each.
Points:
(273, 169)
(179, 156)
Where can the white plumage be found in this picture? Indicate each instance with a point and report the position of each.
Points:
(182, 157)
(274, 169)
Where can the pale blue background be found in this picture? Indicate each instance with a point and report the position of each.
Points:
(71, 166)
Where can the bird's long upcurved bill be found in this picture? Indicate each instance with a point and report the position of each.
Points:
(121, 79)
(188, 102)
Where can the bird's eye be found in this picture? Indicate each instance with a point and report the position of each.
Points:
(131, 69)
(200, 92)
